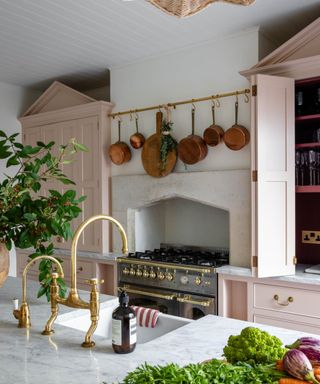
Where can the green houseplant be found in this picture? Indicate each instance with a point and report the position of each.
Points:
(28, 219)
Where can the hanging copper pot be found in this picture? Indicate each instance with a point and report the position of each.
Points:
(213, 135)
(192, 148)
(137, 139)
(119, 152)
(237, 136)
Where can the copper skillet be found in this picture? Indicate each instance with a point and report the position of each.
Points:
(119, 152)
(237, 136)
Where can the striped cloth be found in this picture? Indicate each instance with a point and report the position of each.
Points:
(146, 317)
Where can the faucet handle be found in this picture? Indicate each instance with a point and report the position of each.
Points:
(94, 281)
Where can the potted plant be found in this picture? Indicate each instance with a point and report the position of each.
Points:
(28, 219)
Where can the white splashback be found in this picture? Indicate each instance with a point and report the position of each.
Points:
(227, 190)
(181, 221)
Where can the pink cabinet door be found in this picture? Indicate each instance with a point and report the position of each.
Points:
(273, 194)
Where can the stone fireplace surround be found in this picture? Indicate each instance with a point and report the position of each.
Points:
(228, 190)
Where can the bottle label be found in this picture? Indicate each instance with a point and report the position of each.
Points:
(116, 332)
(133, 331)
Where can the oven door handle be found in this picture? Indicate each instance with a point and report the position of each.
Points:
(189, 300)
(148, 293)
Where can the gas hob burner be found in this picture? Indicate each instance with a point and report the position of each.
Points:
(185, 256)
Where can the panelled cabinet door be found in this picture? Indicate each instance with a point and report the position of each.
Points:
(273, 192)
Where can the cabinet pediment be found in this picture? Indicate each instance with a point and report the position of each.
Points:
(301, 51)
(58, 96)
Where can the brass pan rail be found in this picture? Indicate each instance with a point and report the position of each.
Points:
(165, 265)
(148, 293)
(187, 299)
(174, 104)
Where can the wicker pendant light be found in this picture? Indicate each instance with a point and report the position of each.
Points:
(185, 8)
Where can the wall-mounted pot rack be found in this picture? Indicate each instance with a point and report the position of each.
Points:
(176, 103)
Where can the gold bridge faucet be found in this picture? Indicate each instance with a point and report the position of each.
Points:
(23, 314)
(73, 300)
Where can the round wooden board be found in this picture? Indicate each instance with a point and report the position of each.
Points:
(150, 154)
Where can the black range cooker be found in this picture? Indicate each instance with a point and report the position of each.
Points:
(177, 280)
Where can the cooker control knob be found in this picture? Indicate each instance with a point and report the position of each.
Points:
(198, 280)
(132, 272)
(138, 273)
(153, 275)
(126, 271)
(184, 279)
(169, 276)
(161, 276)
(145, 273)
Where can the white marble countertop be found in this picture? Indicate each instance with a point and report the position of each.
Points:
(96, 256)
(299, 277)
(28, 357)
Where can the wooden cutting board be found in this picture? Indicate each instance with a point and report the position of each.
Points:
(150, 155)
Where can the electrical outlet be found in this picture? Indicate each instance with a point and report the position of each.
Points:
(311, 237)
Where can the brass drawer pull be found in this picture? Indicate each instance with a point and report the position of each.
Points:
(289, 300)
(187, 299)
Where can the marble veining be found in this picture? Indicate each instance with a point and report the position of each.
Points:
(28, 357)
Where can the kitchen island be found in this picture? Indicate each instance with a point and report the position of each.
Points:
(28, 357)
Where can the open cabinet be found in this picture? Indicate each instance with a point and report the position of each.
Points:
(285, 216)
(307, 172)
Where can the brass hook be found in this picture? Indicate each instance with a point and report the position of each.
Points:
(193, 106)
(136, 115)
(216, 101)
(130, 115)
(246, 98)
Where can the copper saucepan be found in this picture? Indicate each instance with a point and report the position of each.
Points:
(119, 152)
(192, 148)
(213, 135)
(137, 139)
(237, 136)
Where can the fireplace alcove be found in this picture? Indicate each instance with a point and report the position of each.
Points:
(217, 203)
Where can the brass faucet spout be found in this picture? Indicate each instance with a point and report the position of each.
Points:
(23, 314)
(76, 237)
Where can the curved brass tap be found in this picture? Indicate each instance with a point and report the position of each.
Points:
(73, 300)
(23, 314)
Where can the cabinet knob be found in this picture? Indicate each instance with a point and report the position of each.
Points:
(284, 304)
(80, 269)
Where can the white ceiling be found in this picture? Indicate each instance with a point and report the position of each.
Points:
(77, 40)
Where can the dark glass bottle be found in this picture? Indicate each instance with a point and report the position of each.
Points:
(124, 326)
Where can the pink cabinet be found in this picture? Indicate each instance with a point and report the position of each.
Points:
(270, 301)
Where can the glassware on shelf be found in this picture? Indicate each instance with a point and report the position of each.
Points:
(316, 135)
(312, 162)
(299, 103)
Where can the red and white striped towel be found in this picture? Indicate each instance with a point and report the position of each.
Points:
(146, 317)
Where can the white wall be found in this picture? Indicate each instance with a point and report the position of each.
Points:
(14, 101)
(198, 71)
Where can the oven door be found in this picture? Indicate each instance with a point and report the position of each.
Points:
(164, 301)
(194, 307)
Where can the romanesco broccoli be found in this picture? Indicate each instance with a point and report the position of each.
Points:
(253, 346)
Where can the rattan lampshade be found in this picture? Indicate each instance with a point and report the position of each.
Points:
(185, 8)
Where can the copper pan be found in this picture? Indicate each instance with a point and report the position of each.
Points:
(119, 152)
(137, 139)
(213, 135)
(192, 148)
(237, 136)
